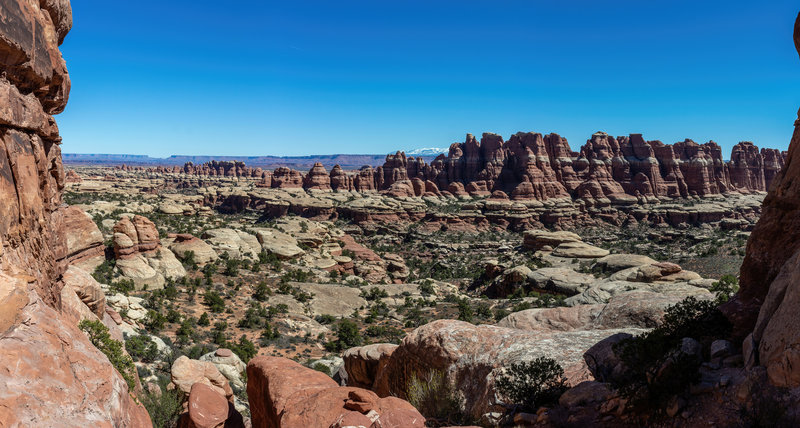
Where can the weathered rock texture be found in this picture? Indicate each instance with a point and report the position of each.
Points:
(283, 393)
(473, 356)
(50, 374)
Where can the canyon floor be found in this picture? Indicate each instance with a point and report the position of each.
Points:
(191, 267)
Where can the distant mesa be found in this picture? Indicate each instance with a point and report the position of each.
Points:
(529, 165)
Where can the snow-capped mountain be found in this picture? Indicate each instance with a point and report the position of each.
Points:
(429, 151)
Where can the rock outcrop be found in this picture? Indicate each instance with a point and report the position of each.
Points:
(767, 301)
(530, 166)
(50, 373)
(283, 393)
(473, 356)
(140, 255)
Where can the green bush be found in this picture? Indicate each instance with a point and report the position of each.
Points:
(154, 321)
(188, 260)
(101, 339)
(325, 319)
(465, 311)
(204, 320)
(348, 336)
(532, 384)
(426, 288)
(104, 273)
(725, 288)
(262, 292)
(374, 293)
(164, 408)
(244, 348)
(322, 368)
(269, 335)
(142, 348)
(645, 355)
(214, 302)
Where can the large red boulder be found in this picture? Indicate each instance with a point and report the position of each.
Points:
(285, 394)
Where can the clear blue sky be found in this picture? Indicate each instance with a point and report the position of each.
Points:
(298, 77)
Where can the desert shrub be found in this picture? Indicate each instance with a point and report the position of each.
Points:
(645, 355)
(322, 368)
(204, 320)
(123, 286)
(154, 321)
(347, 335)
(142, 348)
(532, 384)
(101, 339)
(280, 308)
(483, 310)
(426, 288)
(296, 275)
(385, 333)
(725, 288)
(302, 296)
(164, 408)
(104, 273)
(377, 310)
(437, 399)
(269, 258)
(185, 333)
(244, 348)
(188, 260)
(268, 335)
(173, 315)
(500, 314)
(232, 267)
(262, 292)
(254, 317)
(214, 302)
(465, 311)
(218, 335)
(374, 293)
(325, 319)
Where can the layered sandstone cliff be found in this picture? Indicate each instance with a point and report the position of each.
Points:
(532, 166)
(50, 374)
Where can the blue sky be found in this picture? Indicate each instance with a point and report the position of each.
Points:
(301, 77)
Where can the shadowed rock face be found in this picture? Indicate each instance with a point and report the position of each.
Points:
(766, 305)
(776, 236)
(75, 384)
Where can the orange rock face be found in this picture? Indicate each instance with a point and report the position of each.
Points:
(50, 374)
(284, 394)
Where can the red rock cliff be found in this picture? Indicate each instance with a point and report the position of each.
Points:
(767, 302)
(50, 374)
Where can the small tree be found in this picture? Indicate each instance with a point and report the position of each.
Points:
(531, 384)
(101, 339)
(214, 301)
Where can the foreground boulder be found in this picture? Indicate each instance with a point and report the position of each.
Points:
(362, 363)
(208, 409)
(285, 394)
(75, 384)
(473, 356)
